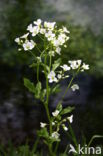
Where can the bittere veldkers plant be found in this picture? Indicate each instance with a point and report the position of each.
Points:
(48, 59)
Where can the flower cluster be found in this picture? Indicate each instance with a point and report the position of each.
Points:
(56, 37)
(73, 65)
(56, 124)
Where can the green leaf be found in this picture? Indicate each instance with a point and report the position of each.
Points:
(33, 65)
(28, 84)
(67, 110)
(46, 67)
(43, 133)
(56, 89)
(56, 64)
(59, 107)
(38, 90)
(43, 94)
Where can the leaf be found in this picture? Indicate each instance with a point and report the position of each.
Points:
(38, 90)
(46, 67)
(67, 110)
(56, 64)
(59, 107)
(43, 94)
(56, 89)
(28, 84)
(43, 133)
(33, 65)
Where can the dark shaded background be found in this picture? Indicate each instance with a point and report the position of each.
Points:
(20, 114)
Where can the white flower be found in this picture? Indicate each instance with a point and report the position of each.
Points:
(65, 128)
(59, 76)
(55, 42)
(55, 113)
(35, 30)
(55, 135)
(79, 62)
(42, 125)
(38, 22)
(65, 67)
(29, 45)
(25, 36)
(75, 64)
(61, 39)
(85, 67)
(51, 77)
(58, 50)
(17, 40)
(49, 25)
(53, 123)
(70, 118)
(49, 35)
(65, 30)
(75, 87)
(30, 27)
(42, 31)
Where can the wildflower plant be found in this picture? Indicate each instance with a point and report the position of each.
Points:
(48, 59)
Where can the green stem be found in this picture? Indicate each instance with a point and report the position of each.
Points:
(56, 147)
(35, 145)
(50, 150)
(38, 72)
(47, 95)
(50, 61)
(69, 85)
(38, 49)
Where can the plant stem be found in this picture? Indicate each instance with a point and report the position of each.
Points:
(47, 95)
(38, 72)
(69, 85)
(50, 61)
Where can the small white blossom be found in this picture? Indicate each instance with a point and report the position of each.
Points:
(19, 49)
(17, 40)
(51, 77)
(70, 118)
(75, 87)
(65, 67)
(55, 114)
(65, 128)
(25, 36)
(53, 123)
(49, 35)
(42, 125)
(66, 30)
(49, 25)
(55, 135)
(42, 31)
(59, 76)
(29, 45)
(55, 42)
(35, 30)
(85, 67)
(30, 27)
(38, 22)
(58, 50)
(75, 64)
